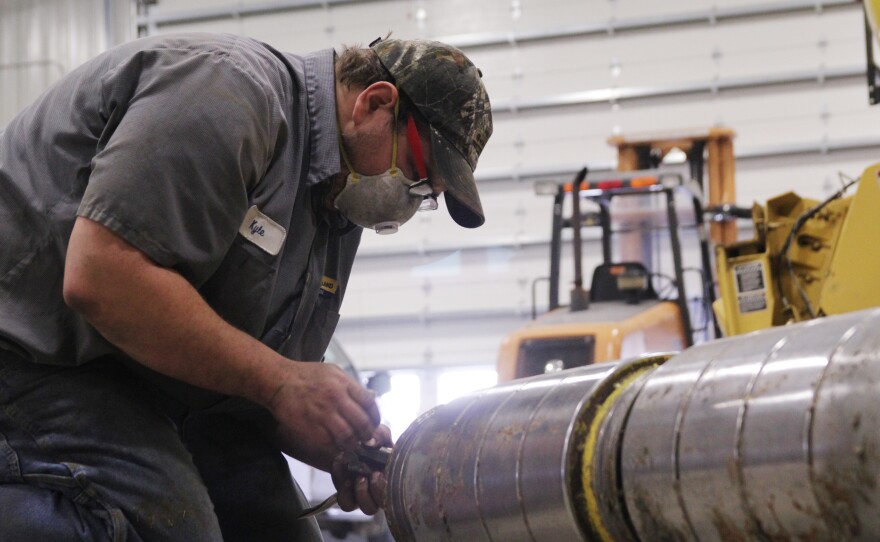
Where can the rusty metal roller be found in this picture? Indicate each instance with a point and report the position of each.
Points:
(504, 464)
(769, 436)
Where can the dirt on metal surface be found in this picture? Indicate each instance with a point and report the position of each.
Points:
(650, 516)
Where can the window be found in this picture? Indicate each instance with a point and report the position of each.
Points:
(453, 383)
(401, 405)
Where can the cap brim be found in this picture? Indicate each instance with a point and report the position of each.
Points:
(462, 198)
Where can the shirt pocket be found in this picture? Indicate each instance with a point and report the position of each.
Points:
(240, 289)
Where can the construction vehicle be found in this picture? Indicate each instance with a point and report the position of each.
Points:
(807, 259)
(622, 314)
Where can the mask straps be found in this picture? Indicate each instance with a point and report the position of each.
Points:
(393, 169)
(355, 176)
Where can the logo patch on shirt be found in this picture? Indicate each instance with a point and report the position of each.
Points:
(262, 231)
(329, 285)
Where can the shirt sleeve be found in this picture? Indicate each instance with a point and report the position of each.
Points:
(188, 137)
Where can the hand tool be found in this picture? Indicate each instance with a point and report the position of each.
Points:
(364, 461)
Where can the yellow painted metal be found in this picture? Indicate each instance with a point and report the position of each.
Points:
(594, 476)
(852, 282)
(828, 268)
(744, 307)
(656, 329)
(594, 516)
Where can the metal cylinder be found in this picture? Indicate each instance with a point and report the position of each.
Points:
(769, 436)
(503, 464)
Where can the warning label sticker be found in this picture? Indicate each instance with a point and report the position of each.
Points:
(751, 291)
(752, 303)
(749, 277)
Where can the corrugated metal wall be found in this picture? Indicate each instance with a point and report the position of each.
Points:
(41, 40)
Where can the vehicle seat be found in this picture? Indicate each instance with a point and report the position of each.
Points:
(611, 281)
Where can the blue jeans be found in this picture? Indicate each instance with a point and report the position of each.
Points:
(95, 453)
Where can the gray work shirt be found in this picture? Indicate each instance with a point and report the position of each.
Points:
(210, 154)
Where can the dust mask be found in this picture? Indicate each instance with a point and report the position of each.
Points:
(381, 202)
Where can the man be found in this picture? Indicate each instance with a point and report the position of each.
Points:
(179, 220)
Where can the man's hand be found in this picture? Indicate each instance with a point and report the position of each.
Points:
(358, 490)
(321, 411)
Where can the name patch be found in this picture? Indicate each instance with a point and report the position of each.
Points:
(262, 231)
(329, 285)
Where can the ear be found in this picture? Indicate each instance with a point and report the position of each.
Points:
(377, 98)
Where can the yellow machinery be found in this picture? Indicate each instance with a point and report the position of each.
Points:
(606, 332)
(621, 315)
(626, 317)
(807, 259)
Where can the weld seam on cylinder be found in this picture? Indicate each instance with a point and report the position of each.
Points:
(845, 338)
(479, 454)
(601, 402)
(676, 449)
(738, 443)
(717, 358)
(594, 517)
(519, 461)
(451, 434)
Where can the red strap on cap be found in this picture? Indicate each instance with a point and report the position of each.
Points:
(415, 144)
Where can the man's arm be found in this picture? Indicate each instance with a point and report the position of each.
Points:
(154, 315)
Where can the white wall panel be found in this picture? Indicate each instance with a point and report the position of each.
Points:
(540, 14)
(188, 5)
(228, 26)
(445, 282)
(629, 8)
(314, 29)
(420, 343)
(466, 16)
(305, 30)
(761, 118)
(678, 55)
(41, 40)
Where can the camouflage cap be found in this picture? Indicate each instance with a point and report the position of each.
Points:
(448, 91)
